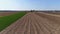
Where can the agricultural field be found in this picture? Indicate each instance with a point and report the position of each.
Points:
(6, 13)
(8, 18)
(53, 12)
(32, 23)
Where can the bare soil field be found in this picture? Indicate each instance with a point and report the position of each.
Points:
(57, 13)
(34, 23)
(7, 13)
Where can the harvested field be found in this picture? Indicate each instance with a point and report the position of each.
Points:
(56, 13)
(7, 13)
(35, 23)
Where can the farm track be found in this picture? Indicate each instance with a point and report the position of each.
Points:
(34, 23)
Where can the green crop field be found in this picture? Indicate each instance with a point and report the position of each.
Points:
(8, 20)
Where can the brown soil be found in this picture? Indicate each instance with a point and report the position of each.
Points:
(57, 13)
(34, 23)
(6, 13)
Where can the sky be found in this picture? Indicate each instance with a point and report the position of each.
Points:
(29, 4)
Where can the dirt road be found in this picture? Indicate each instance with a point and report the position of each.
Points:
(34, 23)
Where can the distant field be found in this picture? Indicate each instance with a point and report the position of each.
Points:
(7, 20)
(7, 13)
(57, 13)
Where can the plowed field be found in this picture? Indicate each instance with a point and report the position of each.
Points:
(35, 23)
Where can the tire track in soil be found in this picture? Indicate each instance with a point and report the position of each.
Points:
(32, 30)
(28, 25)
(42, 25)
(55, 26)
(36, 26)
(50, 23)
(35, 30)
